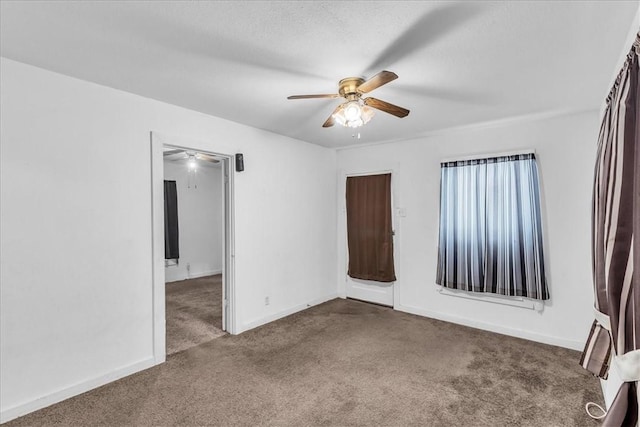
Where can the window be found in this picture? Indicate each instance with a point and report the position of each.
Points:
(490, 227)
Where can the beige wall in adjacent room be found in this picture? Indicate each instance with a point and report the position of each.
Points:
(200, 214)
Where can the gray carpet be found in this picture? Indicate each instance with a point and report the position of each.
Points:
(346, 363)
(193, 312)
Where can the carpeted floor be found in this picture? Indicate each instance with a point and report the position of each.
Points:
(346, 363)
(193, 312)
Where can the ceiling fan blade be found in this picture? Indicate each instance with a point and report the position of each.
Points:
(458, 95)
(331, 121)
(172, 152)
(431, 26)
(386, 107)
(207, 158)
(382, 78)
(332, 95)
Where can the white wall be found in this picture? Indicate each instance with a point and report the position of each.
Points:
(565, 147)
(199, 220)
(75, 208)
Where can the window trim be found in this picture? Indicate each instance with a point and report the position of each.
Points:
(515, 301)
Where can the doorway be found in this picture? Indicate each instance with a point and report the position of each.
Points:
(194, 207)
(382, 290)
(193, 281)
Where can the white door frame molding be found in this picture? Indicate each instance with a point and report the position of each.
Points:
(158, 142)
(395, 289)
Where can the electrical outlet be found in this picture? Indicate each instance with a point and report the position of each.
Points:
(266, 300)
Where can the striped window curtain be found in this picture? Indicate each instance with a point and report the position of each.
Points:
(614, 341)
(490, 227)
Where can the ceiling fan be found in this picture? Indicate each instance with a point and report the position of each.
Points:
(356, 111)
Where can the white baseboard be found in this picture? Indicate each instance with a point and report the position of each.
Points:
(196, 275)
(74, 390)
(284, 313)
(205, 274)
(519, 333)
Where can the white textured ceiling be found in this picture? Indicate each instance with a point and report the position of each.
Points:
(458, 62)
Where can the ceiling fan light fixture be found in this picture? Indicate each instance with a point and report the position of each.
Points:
(338, 115)
(353, 114)
(352, 111)
(366, 113)
(356, 112)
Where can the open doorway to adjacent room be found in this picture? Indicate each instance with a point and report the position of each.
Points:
(195, 194)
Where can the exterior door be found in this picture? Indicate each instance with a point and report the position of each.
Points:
(370, 258)
(370, 291)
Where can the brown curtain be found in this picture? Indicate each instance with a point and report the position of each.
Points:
(616, 245)
(369, 232)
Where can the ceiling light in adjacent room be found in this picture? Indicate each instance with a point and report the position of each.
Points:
(192, 162)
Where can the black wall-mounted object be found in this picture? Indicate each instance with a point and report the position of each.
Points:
(171, 235)
(239, 162)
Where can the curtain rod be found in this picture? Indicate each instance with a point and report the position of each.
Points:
(488, 155)
(634, 51)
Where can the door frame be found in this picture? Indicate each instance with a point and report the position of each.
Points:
(158, 142)
(395, 222)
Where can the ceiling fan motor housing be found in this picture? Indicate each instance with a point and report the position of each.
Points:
(349, 87)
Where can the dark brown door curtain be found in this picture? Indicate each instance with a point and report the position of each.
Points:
(369, 228)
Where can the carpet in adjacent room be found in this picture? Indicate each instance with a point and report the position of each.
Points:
(193, 312)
